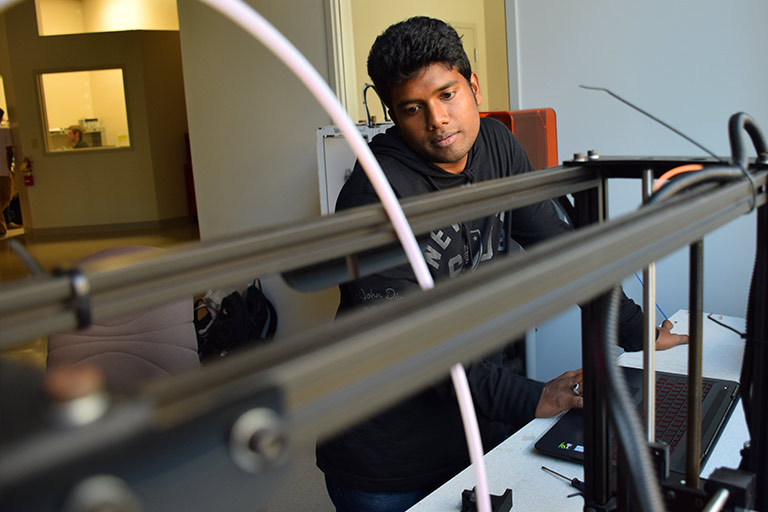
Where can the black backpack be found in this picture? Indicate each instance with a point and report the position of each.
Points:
(240, 321)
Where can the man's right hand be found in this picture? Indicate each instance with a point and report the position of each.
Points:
(558, 395)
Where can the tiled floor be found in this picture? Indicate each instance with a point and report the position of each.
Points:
(63, 251)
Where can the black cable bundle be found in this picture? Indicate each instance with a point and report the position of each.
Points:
(737, 124)
(754, 377)
(642, 474)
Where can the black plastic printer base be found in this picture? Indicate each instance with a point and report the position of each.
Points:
(501, 503)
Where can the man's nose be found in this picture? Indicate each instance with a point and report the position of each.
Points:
(437, 115)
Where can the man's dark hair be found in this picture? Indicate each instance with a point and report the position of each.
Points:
(2, 113)
(402, 50)
(78, 130)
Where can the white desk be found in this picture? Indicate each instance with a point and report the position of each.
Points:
(514, 464)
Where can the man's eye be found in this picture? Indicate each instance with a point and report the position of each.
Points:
(449, 94)
(412, 109)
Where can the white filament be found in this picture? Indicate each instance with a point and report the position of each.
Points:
(472, 432)
(245, 16)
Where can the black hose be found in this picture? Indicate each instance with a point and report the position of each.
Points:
(624, 417)
(692, 178)
(737, 125)
(368, 120)
(757, 281)
(752, 380)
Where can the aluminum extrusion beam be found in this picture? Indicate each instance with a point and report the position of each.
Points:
(40, 305)
(431, 330)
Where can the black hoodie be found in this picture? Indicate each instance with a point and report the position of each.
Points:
(419, 443)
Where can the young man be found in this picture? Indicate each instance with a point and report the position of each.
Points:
(75, 136)
(391, 461)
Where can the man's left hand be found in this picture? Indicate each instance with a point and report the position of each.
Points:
(559, 394)
(667, 339)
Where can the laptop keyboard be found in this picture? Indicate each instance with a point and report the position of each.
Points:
(672, 408)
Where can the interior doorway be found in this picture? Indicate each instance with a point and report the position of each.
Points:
(3, 104)
(354, 26)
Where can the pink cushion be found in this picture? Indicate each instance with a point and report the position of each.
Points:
(135, 348)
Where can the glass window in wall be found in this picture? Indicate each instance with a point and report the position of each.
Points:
(84, 110)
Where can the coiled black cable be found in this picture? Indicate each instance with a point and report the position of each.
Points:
(755, 353)
(368, 118)
(757, 284)
(624, 417)
(718, 173)
(737, 125)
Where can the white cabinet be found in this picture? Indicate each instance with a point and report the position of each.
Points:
(335, 160)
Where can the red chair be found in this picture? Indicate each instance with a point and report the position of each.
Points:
(536, 129)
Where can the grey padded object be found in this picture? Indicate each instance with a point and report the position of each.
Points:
(132, 349)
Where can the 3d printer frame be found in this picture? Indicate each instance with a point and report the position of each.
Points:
(235, 421)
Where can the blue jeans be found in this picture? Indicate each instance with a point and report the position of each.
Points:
(352, 500)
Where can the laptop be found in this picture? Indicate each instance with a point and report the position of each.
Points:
(565, 439)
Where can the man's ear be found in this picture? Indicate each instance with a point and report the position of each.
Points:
(474, 84)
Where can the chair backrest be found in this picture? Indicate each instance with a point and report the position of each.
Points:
(131, 349)
(536, 129)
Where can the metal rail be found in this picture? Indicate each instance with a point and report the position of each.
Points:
(40, 305)
(335, 375)
(649, 334)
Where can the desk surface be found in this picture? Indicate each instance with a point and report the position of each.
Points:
(514, 464)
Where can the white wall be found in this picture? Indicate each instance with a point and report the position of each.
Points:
(253, 133)
(691, 63)
(107, 15)
(59, 17)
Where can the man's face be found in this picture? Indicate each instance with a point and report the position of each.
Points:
(436, 114)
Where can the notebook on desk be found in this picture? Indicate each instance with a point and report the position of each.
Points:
(565, 438)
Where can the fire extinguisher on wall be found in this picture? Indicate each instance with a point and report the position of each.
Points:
(26, 171)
